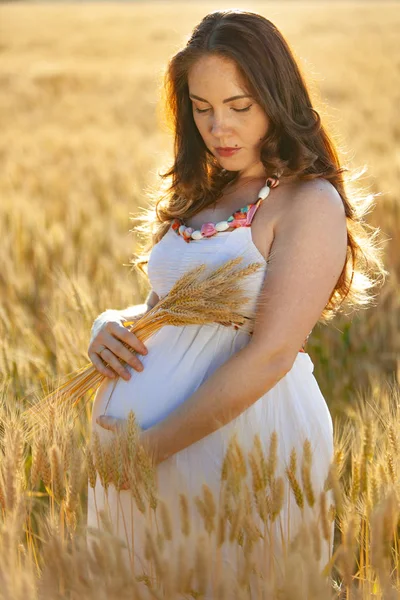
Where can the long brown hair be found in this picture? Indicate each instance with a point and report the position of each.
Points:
(296, 144)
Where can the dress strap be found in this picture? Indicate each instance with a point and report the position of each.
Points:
(271, 182)
(252, 211)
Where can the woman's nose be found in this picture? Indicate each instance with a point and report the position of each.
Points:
(219, 126)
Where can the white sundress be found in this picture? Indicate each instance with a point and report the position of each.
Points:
(179, 360)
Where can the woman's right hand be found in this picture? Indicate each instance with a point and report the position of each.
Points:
(106, 345)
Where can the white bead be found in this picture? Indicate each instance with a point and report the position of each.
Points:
(222, 225)
(182, 229)
(197, 235)
(264, 192)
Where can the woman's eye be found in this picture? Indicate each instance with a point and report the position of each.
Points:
(198, 110)
(243, 109)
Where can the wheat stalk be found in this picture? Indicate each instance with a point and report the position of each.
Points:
(217, 297)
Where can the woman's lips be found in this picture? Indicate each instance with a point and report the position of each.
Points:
(227, 151)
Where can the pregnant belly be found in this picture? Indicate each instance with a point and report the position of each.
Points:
(178, 361)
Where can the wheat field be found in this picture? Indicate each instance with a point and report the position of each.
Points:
(82, 136)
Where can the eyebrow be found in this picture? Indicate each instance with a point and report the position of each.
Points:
(224, 101)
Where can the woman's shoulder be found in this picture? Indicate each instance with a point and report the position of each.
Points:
(295, 205)
(304, 196)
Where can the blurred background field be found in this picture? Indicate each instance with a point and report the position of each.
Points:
(82, 136)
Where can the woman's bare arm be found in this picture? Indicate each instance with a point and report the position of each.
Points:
(152, 299)
(139, 309)
(125, 314)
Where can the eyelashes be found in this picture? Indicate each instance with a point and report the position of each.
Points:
(198, 110)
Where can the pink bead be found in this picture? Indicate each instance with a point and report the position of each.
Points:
(250, 213)
(237, 223)
(208, 229)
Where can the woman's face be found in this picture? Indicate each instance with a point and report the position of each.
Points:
(226, 115)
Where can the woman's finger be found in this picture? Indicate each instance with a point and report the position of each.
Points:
(120, 351)
(122, 333)
(109, 357)
(100, 366)
(111, 423)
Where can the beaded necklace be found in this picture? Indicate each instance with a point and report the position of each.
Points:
(240, 218)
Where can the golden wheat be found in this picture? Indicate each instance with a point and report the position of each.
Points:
(185, 304)
(69, 168)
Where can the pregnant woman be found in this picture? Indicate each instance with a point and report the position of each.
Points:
(254, 175)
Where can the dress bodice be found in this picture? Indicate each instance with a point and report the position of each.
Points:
(172, 257)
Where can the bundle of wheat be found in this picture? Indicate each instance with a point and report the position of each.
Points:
(216, 297)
